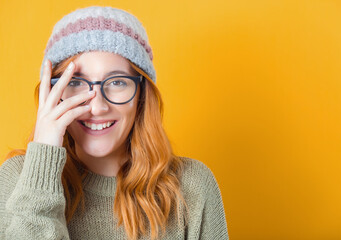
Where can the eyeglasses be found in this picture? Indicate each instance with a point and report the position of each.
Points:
(116, 89)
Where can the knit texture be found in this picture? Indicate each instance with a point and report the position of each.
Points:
(100, 29)
(32, 202)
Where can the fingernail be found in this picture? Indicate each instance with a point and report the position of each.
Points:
(87, 106)
(45, 63)
(71, 64)
(92, 92)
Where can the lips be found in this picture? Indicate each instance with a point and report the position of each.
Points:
(97, 128)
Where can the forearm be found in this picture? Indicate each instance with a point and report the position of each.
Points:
(37, 204)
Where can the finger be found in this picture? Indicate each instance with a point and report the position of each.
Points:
(45, 85)
(57, 90)
(72, 114)
(70, 103)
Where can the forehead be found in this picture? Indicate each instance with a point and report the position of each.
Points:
(98, 64)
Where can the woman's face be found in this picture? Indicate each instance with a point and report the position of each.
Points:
(96, 66)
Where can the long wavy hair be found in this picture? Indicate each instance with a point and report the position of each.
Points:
(148, 187)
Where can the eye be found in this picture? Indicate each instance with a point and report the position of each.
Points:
(76, 83)
(117, 82)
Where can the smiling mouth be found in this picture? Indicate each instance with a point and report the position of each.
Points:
(97, 127)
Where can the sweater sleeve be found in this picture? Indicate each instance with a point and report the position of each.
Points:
(35, 208)
(213, 225)
(206, 215)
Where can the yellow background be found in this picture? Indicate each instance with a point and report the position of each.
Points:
(251, 88)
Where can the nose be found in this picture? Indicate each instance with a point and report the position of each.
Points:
(98, 104)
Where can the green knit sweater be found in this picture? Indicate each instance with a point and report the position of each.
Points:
(32, 202)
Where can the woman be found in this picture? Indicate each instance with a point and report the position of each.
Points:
(100, 165)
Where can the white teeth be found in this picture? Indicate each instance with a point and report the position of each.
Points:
(94, 126)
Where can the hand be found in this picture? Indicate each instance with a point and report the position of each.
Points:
(53, 118)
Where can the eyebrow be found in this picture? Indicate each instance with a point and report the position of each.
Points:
(115, 72)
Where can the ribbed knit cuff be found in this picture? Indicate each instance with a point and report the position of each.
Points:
(43, 167)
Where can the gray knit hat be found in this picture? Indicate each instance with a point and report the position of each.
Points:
(102, 29)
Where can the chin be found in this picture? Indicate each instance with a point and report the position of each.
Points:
(98, 151)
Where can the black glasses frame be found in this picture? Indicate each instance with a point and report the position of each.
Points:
(137, 80)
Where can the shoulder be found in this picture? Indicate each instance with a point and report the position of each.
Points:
(9, 175)
(204, 205)
(14, 164)
(10, 170)
(194, 170)
(196, 179)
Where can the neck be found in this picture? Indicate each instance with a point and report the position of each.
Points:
(105, 165)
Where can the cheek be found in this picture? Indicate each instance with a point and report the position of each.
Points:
(128, 112)
(131, 104)
(72, 129)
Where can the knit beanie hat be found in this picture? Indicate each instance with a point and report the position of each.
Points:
(102, 29)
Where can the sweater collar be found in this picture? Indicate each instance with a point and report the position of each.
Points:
(96, 183)
(99, 184)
